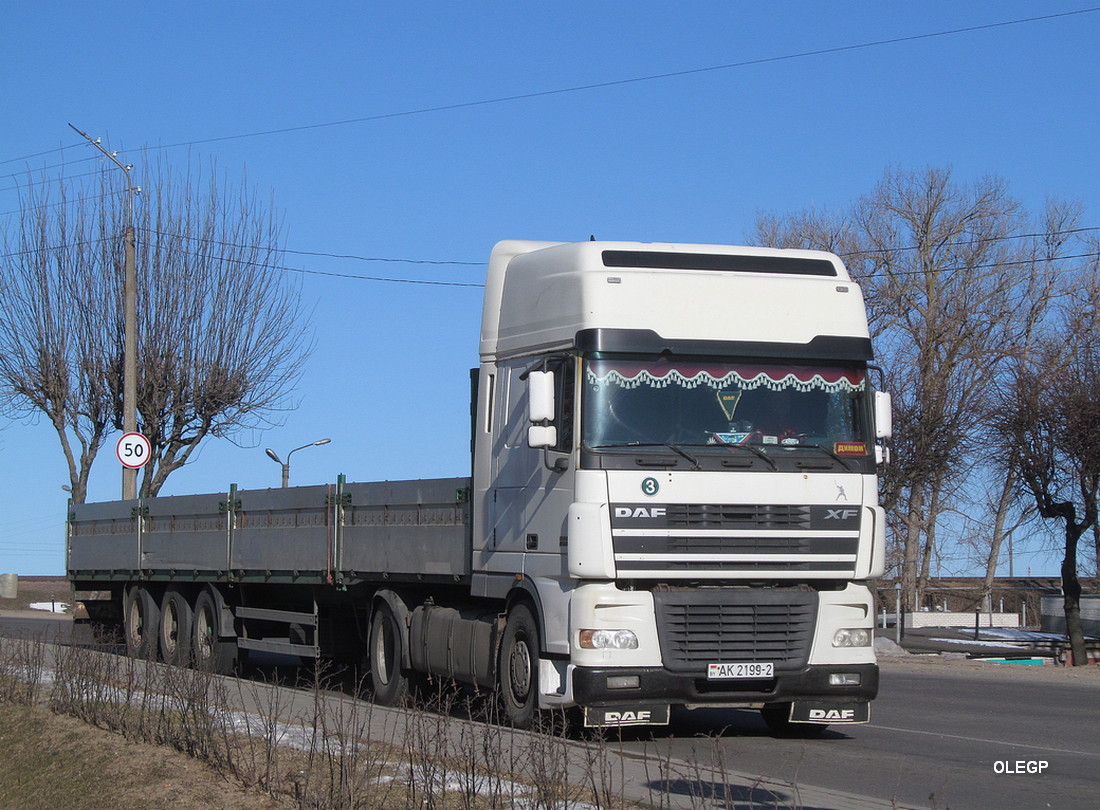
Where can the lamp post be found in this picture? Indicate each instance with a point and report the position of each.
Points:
(129, 316)
(899, 620)
(271, 454)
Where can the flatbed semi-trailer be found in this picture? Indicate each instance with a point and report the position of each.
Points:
(673, 501)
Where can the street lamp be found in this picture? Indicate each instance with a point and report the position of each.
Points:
(899, 620)
(129, 316)
(271, 454)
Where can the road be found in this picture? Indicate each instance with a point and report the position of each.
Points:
(937, 734)
(942, 736)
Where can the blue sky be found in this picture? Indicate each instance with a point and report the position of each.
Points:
(792, 118)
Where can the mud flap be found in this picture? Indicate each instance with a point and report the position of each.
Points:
(644, 715)
(824, 711)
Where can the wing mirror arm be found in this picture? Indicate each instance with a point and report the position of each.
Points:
(540, 413)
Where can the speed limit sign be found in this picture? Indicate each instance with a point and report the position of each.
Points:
(133, 450)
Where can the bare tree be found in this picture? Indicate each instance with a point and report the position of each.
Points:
(1037, 289)
(56, 326)
(1049, 425)
(221, 334)
(943, 279)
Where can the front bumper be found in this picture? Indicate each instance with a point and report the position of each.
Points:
(659, 685)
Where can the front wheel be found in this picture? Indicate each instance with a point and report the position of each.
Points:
(519, 667)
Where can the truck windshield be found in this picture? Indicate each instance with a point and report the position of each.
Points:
(660, 402)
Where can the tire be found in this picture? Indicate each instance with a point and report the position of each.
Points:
(209, 651)
(140, 622)
(385, 650)
(778, 718)
(518, 664)
(175, 633)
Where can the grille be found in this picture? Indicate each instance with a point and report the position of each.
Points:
(726, 516)
(736, 545)
(700, 627)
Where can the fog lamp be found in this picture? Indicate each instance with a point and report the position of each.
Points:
(845, 679)
(623, 682)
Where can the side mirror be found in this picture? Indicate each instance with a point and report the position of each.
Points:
(884, 419)
(542, 436)
(540, 396)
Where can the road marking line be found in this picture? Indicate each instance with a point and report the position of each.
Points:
(1093, 754)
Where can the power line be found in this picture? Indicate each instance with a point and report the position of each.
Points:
(52, 166)
(1005, 263)
(436, 283)
(622, 82)
(320, 253)
(639, 79)
(40, 154)
(41, 249)
(45, 180)
(378, 278)
(62, 203)
(964, 243)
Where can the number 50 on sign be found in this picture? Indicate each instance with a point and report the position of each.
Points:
(133, 450)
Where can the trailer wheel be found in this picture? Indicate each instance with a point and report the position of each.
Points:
(176, 619)
(141, 619)
(210, 653)
(519, 667)
(384, 652)
(778, 718)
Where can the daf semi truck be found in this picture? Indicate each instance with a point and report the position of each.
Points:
(673, 502)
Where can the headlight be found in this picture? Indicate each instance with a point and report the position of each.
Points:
(608, 640)
(852, 637)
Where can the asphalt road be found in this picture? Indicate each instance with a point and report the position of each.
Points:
(954, 734)
(941, 736)
(36, 625)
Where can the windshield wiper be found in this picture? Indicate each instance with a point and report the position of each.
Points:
(683, 454)
(828, 452)
(729, 446)
(751, 449)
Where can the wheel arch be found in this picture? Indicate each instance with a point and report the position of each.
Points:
(525, 592)
(400, 610)
(226, 620)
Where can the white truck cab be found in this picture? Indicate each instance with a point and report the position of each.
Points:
(675, 473)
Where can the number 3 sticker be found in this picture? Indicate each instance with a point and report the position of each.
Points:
(650, 487)
(133, 450)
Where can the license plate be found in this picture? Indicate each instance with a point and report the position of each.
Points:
(754, 669)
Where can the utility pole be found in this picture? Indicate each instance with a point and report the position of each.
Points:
(129, 316)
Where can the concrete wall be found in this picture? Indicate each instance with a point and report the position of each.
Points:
(943, 618)
(1054, 617)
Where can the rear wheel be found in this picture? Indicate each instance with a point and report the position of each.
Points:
(140, 621)
(176, 618)
(385, 651)
(519, 667)
(210, 652)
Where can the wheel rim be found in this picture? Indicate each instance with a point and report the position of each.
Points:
(171, 629)
(519, 668)
(383, 652)
(204, 635)
(136, 623)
